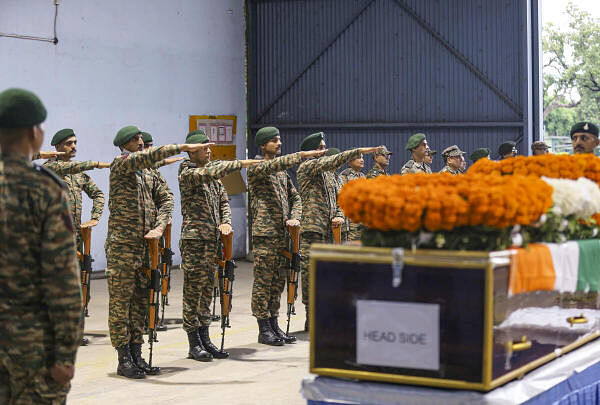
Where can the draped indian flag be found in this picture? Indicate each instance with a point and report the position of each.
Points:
(565, 267)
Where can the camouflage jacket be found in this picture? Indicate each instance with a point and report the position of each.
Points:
(317, 186)
(413, 167)
(204, 201)
(71, 173)
(137, 203)
(273, 197)
(346, 176)
(448, 169)
(40, 296)
(376, 171)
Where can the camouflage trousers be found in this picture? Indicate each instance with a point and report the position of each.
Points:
(306, 239)
(27, 386)
(270, 273)
(198, 265)
(127, 304)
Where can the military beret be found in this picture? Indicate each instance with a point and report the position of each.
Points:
(265, 134)
(451, 151)
(197, 136)
(332, 151)
(61, 136)
(125, 134)
(20, 109)
(146, 137)
(312, 141)
(383, 151)
(415, 141)
(587, 127)
(479, 153)
(506, 148)
(539, 145)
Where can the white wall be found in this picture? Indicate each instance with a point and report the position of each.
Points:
(148, 63)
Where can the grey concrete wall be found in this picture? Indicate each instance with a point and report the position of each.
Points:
(148, 63)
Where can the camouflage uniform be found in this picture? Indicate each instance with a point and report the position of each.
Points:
(273, 200)
(376, 171)
(138, 203)
(71, 174)
(355, 229)
(317, 186)
(448, 169)
(411, 167)
(40, 297)
(204, 206)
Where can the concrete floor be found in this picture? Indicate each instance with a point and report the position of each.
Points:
(254, 374)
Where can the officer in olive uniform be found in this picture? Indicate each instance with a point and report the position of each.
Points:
(40, 295)
(454, 160)
(539, 148)
(417, 145)
(584, 137)
(481, 153)
(381, 162)
(507, 150)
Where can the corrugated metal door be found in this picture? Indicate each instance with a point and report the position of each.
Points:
(370, 72)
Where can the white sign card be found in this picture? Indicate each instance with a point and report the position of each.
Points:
(398, 334)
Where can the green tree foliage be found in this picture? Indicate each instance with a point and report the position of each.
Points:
(571, 72)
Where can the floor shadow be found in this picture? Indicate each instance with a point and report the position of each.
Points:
(155, 379)
(95, 335)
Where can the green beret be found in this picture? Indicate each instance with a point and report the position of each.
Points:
(480, 153)
(264, 135)
(20, 109)
(415, 141)
(125, 134)
(146, 137)
(506, 148)
(197, 136)
(332, 151)
(312, 142)
(61, 136)
(587, 127)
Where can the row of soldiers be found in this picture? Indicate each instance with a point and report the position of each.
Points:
(40, 219)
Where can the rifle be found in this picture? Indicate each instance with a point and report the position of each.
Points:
(153, 274)
(292, 285)
(166, 261)
(337, 233)
(226, 277)
(86, 267)
(214, 316)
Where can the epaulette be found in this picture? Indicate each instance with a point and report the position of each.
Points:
(50, 174)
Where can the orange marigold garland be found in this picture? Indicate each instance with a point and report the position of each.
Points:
(443, 202)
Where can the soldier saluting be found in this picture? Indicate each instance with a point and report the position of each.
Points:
(206, 215)
(275, 204)
(139, 208)
(40, 297)
(317, 186)
(417, 145)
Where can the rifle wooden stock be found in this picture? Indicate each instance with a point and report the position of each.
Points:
(86, 266)
(337, 233)
(153, 293)
(166, 250)
(292, 285)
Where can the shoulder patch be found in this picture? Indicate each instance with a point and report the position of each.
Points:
(50, 174)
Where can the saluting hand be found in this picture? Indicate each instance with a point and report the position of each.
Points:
(193, 147)
(250, 162)
(225, 229)
(48, 155)
(103, 165)
(368, 151)
(305, 154)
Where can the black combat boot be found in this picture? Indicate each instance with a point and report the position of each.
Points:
(275, 326)
(266, 335)
(126, 367)
(136, 355)
(208, 345)
(197, 351)
(84, 341)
